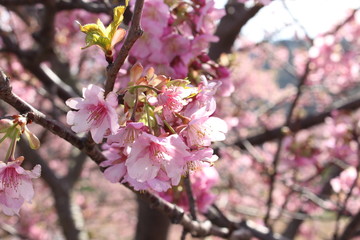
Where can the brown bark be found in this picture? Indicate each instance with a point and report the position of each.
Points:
(152, 224)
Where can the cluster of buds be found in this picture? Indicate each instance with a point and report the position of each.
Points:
(15, 182)
(164, 131)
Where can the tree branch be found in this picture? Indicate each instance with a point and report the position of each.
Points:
(351, 228)
(301, 123)
(19, 2)
(134, 33)
(230, 26)
(276, 160)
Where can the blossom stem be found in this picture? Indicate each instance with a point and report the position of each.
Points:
(148, 119)
(169, 127)
(135, 106)
(3, 138)
(10, 152)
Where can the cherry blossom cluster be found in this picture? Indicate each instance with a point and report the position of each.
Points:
(196, 21)
(15, 182)
(337, 50)
(176, 36)
(161, 132)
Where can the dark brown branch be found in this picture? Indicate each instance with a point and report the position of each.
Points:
(19, 2)
(75, 169)
(301, 123)
(230, 26)
(192, 203)
(352, 227)
(32, 63)
(94, 7)
(217, 217)
(190, 195)
(326, 190)
(152, 224)
(134, 33)
(343, 23)
(178, 216)
(342, 210)
(45, 37)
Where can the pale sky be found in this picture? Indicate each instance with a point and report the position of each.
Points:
(316, 16)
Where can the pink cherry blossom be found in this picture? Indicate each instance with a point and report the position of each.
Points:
(93, 113)
(154, 153)
(201, 158)
(160, 183)
(155, 17)
(205, 16)
(204, 103)
(128, 134)
(173, 99)
(344, 181)
(172, 45)
(115, 163)
(202, 181)
(146, 46)
(16, 186)
(202, 131)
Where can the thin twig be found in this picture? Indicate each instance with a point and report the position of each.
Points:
(340, 213)
(276, 159)
(134, 33)
(191, 198)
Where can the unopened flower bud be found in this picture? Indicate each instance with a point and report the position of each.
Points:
(33, 140)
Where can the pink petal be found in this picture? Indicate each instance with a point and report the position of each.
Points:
(74, 102)
(26, 190)
(141, 169)
(97, 133)
(115, 172)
